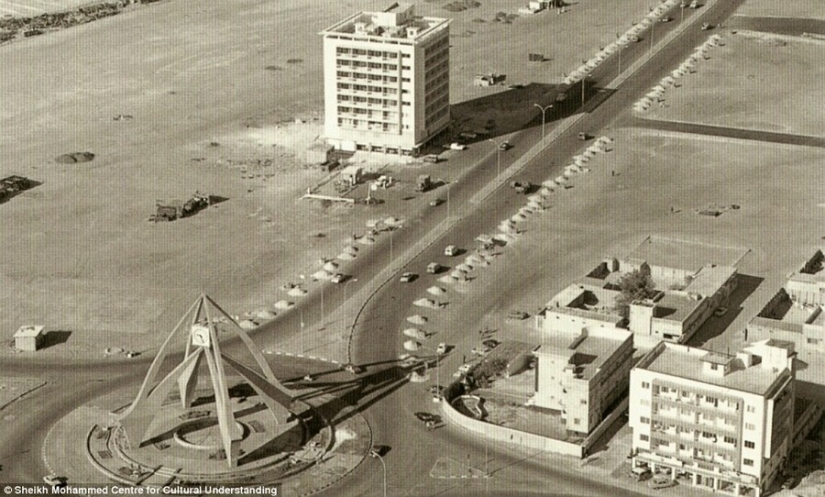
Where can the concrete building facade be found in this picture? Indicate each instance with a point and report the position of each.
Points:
(386, 81)
(716, 421)
(583, 374)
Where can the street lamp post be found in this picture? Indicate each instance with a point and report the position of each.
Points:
(374, 454)
(498, 156)
(584, 78)
(543, 110)
(652, 30)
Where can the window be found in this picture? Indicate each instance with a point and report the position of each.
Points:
(645, 420)
(681, 446)
(664, 389)
(576, 421)
(730, 440)
(748, 462)
(749, 444)
(714, 367)
(750, 426)
(584, 402)
(643, 437)
(813, 341)
(645, 384)
(751, 408)
(645, 402)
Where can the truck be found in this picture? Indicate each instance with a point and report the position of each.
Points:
(423, 183)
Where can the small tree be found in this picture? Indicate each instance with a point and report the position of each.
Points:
(633, 286)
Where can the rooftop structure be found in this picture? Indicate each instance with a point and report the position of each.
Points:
(581, 374)
(797, 312)
(29, 338)
(717, 421)
(386, 80)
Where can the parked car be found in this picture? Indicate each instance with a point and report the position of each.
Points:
(490, 343)
(457, 146)
(465, 368)
(436, 202)
(665, 19)
(433, 267)
(705, 26)
(55, 481)
(505, 145)
(339, 278)
(720, 311)
(661, 481)
(441, 349)
(451, 250)
(790, 482)
(353, 369)
(584, 136)
(640, 474)
(517, 315)
(694, 4)
(407, 277)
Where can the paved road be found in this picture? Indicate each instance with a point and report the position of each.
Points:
(388, 413)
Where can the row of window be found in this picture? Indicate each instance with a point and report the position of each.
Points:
(368, 53)
(370, 77)
(369, 88)
(363, 124)
(360, 64)
(687, 394)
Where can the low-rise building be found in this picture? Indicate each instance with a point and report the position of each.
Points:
(582, 374)
(685, 299)
(716, 421)
(797, 312)
(29, 338)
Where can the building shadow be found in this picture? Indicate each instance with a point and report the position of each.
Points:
(53, 338)
(716, 325)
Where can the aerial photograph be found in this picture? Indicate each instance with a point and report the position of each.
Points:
(562, 248)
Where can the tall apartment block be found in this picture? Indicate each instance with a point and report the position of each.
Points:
(386, 81)
(716, 421)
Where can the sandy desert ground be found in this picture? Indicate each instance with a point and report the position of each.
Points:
(756, 81)
(80, 255)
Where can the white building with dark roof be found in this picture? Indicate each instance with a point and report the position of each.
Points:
(386, 80)
(716, 421)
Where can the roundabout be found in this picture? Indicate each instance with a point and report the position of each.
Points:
(240, 428)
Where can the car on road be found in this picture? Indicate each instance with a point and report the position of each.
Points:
(409, 362)
(665, 19)
(705, 26)
(407, 277)
(433, 267)
(505, 145)
(661, 481)
(520, 186)
(490, 343)
(441, 349)
(353, 369)
(720, 311)
(584, 136)
(694, 4)
(339, 278)
(457, 146)
(55, 481)
(451, 250)
(436, 202)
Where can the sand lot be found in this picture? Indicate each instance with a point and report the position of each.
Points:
(210, 89)
(788, 8)
(753, 83)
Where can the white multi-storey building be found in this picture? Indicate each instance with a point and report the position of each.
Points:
(386, 81)
(718, 421)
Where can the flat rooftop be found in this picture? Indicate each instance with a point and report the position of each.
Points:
(675, 306)
(684, 362)
(595, 299)
(710, 279)
(390, 24)
(682, 254)
(589, 352)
